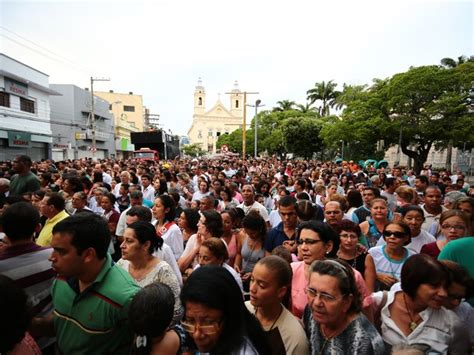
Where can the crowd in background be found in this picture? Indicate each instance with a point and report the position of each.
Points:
(231, 256)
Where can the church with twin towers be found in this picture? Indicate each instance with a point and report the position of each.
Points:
(209, 124)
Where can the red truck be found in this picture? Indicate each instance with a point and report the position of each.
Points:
(146, 154)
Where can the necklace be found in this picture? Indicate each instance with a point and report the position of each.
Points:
(353, 262)
(412, 324)
(326, 339)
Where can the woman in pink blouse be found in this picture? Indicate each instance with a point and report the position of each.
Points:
(317, 241)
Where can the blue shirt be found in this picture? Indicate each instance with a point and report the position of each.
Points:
(276, 237)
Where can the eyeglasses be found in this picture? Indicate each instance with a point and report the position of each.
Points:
(207, 329)
(348, 236)
(398, 235)
(308, 241)
(455, 227)
(323, 296)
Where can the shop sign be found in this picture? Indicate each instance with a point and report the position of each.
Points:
(80, 135)
(61, 146)
(19, 139)
(15, 87)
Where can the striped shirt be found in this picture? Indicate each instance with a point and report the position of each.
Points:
(94, 321)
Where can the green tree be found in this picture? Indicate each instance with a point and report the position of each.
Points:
(284, 105)
(301, 136)
(425, 105)
(193, 150)
(326, 93)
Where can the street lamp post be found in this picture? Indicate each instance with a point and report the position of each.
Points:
(257, 105)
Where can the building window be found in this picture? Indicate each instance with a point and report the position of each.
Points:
(129, 108)
(27, 105)
(200, 101)
(4, 99)
(209, 133)
(209, 147)
(236, 103)
(199, 134)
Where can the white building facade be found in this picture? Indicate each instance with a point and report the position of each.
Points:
(25, 125)
(208, 125)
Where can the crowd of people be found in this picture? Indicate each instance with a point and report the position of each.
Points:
(231, 256)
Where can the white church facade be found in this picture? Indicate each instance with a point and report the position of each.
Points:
(208, 125)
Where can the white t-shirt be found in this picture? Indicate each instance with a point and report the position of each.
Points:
(190, 245)
(255, 206)
(274, 218)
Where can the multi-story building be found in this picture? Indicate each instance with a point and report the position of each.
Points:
(208, 125)
(129, 112)
(25, 126)
(72, 125)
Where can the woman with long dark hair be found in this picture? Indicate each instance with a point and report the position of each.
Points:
(216, 317)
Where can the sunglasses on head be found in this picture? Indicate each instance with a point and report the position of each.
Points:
(398, 235)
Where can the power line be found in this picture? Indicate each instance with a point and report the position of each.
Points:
(60, 58)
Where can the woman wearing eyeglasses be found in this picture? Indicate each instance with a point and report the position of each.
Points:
(333, 320)
(388, 259)
(317, 241)
(454, 224)
(216, 317)
(414, 315)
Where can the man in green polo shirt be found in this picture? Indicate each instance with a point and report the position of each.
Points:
(91, 295)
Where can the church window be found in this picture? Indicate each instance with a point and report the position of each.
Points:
(210, 132)
(200, 101)
(236, 103)
(199, 134)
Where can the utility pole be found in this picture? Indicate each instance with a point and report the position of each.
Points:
(257, 105)
(244, 126)
(94, 146)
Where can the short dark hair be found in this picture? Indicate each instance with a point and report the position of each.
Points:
(145, 232)
(375, 190)
(20, 220)
(25, 159)
(390, 181)
(56, 200)
(111, 197)
(75, 182)
(287, 201)
(151, 312)
(325, 232)
(354, 198)
(213, 223)
(422, 269)
(404, 210)
(87, 230)
(423, 179)
(349, 226)
(143, 213)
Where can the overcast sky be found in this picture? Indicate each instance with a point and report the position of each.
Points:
(159, 49)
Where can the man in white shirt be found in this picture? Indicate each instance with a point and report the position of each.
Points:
(124, 179)
(248, 195)
(147, 189)
(106, 178)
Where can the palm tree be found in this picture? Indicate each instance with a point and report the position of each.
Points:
(284, 105)
(305, 108)
(452, 63)
(326, 93)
